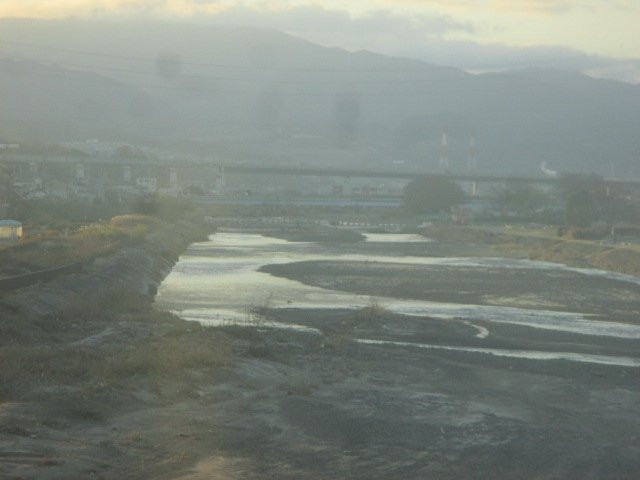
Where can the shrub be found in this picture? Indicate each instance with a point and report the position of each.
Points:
(431, 194)
(128, 221)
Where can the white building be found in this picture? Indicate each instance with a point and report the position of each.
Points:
(10, 230)
(147, 184)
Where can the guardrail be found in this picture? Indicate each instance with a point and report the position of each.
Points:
(27, 279)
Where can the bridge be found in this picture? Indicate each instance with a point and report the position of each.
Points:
(125, 164)
(392, 174)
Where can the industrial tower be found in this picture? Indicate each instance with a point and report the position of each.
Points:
(444, 153)
(472, 164)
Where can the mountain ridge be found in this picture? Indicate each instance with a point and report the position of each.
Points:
(285, 98)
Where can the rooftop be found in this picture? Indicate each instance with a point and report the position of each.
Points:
(10, 223)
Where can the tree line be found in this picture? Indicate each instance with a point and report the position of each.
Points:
(584, 198)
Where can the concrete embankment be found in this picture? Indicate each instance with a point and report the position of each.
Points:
(138, 268)
(84, 359)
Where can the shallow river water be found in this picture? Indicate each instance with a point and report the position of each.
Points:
(218, 283)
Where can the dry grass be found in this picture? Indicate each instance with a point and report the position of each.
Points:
(178, 458)
(576, 253)
(23, 368)
(112, 301)
(128, 221)
(53, 249)
(132, 438)
(168, 356)
(544, 244)
(141, 342)
(77, 316)
(373, 311)
(342, 335)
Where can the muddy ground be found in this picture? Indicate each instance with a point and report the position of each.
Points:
(286, 405)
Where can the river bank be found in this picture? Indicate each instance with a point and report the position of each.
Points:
(86, 363)
(576, 253)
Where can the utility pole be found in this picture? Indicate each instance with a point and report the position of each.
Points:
(472, 164)
(7, 195)
(444, 153)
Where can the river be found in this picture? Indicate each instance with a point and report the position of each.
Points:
(219, 282)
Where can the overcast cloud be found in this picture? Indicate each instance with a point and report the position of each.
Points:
(426, 37)
(316, 19)
(477, 35)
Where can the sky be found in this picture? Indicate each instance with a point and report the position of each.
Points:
(480, 34)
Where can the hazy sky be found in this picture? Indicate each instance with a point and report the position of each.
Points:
(602, 27)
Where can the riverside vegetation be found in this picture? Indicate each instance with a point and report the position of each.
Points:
(97, 354)
(545, 247)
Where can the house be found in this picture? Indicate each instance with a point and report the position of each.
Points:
(10, 231)
(147, 184)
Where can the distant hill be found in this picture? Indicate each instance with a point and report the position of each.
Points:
(260, 95)
(47, 103)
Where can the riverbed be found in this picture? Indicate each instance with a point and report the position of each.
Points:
(225, 280)
(399, 357)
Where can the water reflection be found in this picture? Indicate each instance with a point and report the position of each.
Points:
(525, 354)
(218, 281)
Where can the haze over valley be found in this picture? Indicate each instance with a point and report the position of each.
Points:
(257, 95)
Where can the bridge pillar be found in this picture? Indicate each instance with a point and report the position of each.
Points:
(472, 164)
(80, 172)
(216, 175)
(173, 176)
(221, 179)
(444, 153)
(346, 186)
(126, 173)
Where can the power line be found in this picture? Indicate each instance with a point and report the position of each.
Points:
(423, 84)
(490, 66)
(440, 77)
(210, 65)
(206, 89)
(93, 69)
